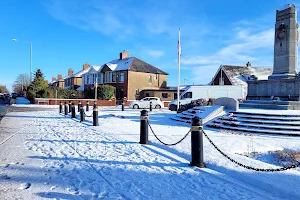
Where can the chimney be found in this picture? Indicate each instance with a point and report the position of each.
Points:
(53, 79)
(85, 66)
(248, 64)
(124, 55)
(59, 76)
(70, 71)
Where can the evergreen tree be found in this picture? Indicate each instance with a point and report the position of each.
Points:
(39, 87)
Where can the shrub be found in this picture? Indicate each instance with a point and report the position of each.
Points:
(106, 92)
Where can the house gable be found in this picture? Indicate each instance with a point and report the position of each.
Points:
(216, 79)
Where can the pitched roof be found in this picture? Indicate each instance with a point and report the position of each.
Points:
(133, 64)
(138, 65)
(80, 73)
(238, 75)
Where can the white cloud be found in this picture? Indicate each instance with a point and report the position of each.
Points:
(155, 53)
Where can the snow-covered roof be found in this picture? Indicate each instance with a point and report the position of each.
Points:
(95, 69)
(80, 73)
(238, 75)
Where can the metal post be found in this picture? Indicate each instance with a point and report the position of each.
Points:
(87, 105)
(144, 127)
(60, 107)
(123, 106)
(150, 106)
(79, 106)
(197, 143)
(70, 106)
(82, 118)
(95, 115)
(66, 108)
(73, 111)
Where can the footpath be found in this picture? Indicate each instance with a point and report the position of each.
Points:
(46, 155)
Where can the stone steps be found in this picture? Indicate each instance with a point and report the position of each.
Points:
(259, 122)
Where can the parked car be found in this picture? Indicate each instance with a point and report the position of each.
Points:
(14, 95)
(145, 103)
(2, 96)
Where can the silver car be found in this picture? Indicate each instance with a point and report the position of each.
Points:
(145, 103)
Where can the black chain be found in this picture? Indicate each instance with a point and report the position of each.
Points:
(166, 143)
(88, 116)
(249, 167)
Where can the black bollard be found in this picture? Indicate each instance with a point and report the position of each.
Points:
(82, 117)
(95, 115)
(79, 106)
(197, 143)
(123, 106)
(144, 127)
(60, 107)
(87, 106)
(66, 108)
(70, 106)
(150, 106)
(73, 111)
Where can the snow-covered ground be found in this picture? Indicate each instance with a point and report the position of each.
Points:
(46, 155)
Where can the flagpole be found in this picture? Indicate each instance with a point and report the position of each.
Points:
(179, 53)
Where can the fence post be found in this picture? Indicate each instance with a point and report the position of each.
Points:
(122, 106)
(70, 106)
(82, 118)
(73, 111)
(95, 115)
(60, 107)
(150, 106)
(79, 106)
(197, 143)
(66, 109)
(144, 127)
(87, 105)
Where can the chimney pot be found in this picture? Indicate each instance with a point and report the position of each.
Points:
(59, 76)
(53, 79)
(85, 66)
(70, 71)
(124, 55)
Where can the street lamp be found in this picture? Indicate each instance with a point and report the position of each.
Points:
(30, 43)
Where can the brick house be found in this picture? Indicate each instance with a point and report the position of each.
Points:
(74, 81)
(239, 75)
(129, 75)
(57, 83)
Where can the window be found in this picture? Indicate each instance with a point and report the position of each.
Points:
(164, 95)
(122, 78)
(108, 77)
(100, 78)
(114, 77)
(150, 79)
(156, 76)
(187, 95)
(87, 79)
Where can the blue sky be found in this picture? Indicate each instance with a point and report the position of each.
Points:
(67, 33)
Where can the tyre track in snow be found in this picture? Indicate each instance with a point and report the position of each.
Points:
(198, 184)
(207, 172)
(90, 165)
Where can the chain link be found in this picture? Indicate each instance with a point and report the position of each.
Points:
(249, 167)
(164, 142)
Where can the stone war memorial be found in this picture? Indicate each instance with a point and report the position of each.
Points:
(284, 83)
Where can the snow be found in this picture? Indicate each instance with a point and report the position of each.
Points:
(57, 157)
(22, 100)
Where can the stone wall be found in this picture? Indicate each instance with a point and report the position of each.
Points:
(286, 89)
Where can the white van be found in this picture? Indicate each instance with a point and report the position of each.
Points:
(194, 92)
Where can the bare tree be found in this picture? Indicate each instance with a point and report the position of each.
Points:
(3, 89)
(21, 83)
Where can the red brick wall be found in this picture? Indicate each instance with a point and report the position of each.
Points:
(75, 101)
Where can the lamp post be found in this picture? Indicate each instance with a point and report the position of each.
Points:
(30, 43)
